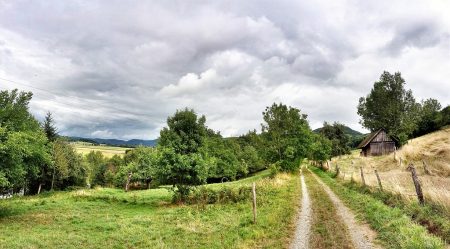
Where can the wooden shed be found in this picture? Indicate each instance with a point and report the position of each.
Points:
(376, 144)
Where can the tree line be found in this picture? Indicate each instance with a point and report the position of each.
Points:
(34, 157)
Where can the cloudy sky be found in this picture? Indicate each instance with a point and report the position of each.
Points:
(117, 69)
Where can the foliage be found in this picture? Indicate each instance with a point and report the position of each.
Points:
(23, 145)
(185, 132)
(321, 148)
(287, 136)
(97, 168)
(223, 154)
(49, 127)
(390, 106)
(181, 170)
(339, 140)
(141, 162)
(68, 168)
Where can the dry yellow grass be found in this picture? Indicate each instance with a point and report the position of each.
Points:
(107, 151)
(433, 149)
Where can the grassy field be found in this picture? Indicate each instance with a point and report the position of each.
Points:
(107, 151)
(111, 218)
(433, 149)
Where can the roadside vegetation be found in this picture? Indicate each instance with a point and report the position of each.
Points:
(395, 229)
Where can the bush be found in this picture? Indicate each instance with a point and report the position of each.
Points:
(274, 169)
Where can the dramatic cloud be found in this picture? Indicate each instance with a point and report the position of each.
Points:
(117, 69)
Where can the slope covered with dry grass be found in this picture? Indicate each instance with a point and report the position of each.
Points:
(432, 149)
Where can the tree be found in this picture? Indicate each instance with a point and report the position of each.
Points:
(97, 167)
(185, 132)
(181, 170)
(430, 117)
(339, 140)
(287, 135)
(390, 106)
(49, 127)
(321, 149)
(23, 145)
(68, 168)
(141, 162)
(179, 162)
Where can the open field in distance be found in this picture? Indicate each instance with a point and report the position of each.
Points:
(107, 151)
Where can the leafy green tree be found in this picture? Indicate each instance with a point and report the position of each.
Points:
(224, 160)
(23, 145)
(68, 168)
(321, 149)
(445, 116)
(185, 132)
(22, 154)
(390, 106)
(141, 162)
(179, 160)
(181, 170)
(287, 135)
(14, 113)
(430, 117)
(97, 167)
(339, 140)
(250, 159)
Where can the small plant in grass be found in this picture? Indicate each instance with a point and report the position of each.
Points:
(274, 169)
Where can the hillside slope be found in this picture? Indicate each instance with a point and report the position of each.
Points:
(433, 149)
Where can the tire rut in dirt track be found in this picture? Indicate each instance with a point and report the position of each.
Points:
(361, 234)
(302, 232)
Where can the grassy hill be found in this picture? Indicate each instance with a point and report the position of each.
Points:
(432, 149)
(112, 218)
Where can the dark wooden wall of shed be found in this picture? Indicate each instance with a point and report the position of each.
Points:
(382, 144)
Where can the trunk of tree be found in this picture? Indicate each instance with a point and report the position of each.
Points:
(53, 178)
(39, 188)
(128, 181)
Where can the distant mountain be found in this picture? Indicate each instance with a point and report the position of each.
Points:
(116, 142)
(347, 130)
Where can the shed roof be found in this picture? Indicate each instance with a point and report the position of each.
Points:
(369, 138)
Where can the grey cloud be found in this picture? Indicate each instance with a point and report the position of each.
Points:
(119, 68)
(417, 33)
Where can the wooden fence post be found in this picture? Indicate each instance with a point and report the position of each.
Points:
(379, 180)
(400, 162)
(362, 176)
(415, 179)
(337, 170)
(254, 202)
(128, 181)
(395, 153)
